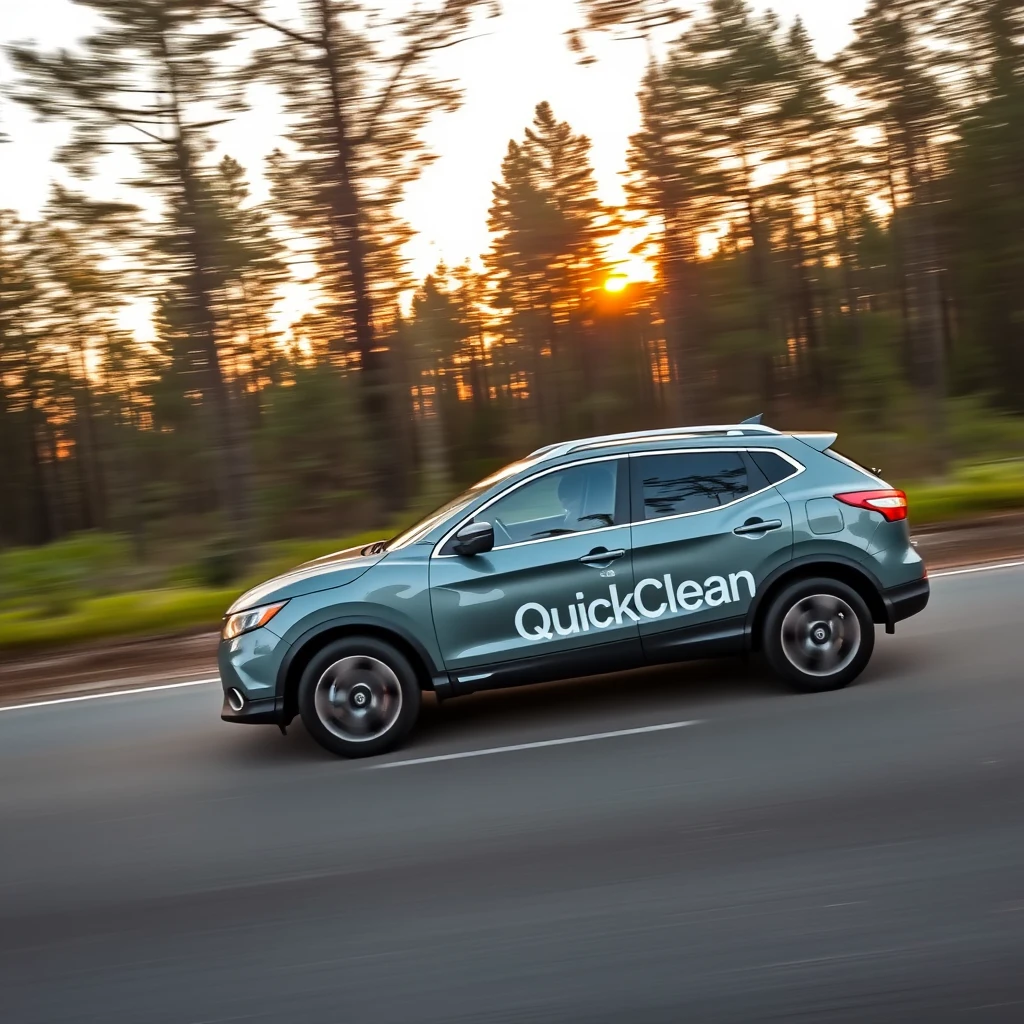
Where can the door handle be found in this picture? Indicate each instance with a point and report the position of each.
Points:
(604, 557)
(755, 526)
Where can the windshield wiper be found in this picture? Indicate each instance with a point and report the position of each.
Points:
(377, 548)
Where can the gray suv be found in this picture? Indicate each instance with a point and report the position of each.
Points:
(586, 557)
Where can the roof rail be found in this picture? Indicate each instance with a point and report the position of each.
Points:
(552, 451)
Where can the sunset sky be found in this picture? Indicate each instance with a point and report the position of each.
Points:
(521, 60)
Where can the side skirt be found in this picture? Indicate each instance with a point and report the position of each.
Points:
(710, 640)
(587, 661)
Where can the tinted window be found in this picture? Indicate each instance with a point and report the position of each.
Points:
(569, 501)
(692, 482)
(774, 467)
(846, 461)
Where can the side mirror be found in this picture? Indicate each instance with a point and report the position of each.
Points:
(474, 539)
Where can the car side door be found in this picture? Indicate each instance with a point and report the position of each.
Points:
(547, 600)
(708, 529)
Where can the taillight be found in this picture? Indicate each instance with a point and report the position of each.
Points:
(892, 504)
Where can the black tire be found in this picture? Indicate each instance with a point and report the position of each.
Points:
(355, 683)
(810, 639)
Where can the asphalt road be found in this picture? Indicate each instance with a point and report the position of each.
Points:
(856, 856)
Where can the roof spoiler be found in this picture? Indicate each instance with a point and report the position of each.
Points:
(819, 442)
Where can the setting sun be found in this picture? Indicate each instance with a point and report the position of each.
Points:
(616, 283)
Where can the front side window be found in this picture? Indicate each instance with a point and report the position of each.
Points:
(420, 529)
(570, 500)
(680, 483)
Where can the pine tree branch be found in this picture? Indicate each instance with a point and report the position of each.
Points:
(259, 19)
(115, 115)
(416, 50)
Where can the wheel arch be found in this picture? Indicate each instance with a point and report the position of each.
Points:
(844, 570)
(315, 639)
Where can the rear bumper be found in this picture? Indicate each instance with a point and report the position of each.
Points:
(906, 600)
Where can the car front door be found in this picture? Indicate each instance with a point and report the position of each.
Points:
(708, 529)
(553, 597)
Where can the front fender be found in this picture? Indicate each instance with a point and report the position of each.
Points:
(298, 637)
(393, 597)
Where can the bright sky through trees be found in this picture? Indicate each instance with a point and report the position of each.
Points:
(521, 60)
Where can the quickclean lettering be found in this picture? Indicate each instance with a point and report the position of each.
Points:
(649, 599)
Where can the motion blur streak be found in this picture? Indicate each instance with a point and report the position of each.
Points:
(845, 857)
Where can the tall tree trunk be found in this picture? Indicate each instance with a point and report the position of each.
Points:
(900, 261)
(232, 485)
(88, 440)
(930, 334)
(44, 527)
(808, 317)
(373, 366)
(758, 278)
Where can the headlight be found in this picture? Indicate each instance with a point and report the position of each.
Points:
(251, 618)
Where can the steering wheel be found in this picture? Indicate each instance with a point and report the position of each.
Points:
(499, 526)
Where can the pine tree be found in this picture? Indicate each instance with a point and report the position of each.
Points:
(894, 65)
(137, 82)
(548, 228)
(251, 267)
(985, 214)
(666, 189)
(31, 516)
(357, 113)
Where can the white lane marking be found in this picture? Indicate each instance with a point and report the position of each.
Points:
(108, 693)
(536, 745)
(976, 568)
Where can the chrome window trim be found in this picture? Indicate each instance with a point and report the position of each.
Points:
(798, 466)
(515, 487)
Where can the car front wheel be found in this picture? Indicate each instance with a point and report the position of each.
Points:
(819, 635)
(359, 697)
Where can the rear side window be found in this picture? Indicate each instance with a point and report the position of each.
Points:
(775, 467)
(676, 484)
(847, 461)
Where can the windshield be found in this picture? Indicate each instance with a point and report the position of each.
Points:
(419, 530)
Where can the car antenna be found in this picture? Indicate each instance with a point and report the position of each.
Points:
(754, 420)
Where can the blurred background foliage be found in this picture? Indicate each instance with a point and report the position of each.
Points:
(834, 243)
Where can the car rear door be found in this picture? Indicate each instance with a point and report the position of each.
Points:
(708, 529)
(547, 600)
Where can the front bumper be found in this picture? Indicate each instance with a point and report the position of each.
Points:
(267, 711)
(903, 601)
(248, 667)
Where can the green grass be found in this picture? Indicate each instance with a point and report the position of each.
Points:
(47, 623)
(971, 491)
(147, 612)
(54, 600)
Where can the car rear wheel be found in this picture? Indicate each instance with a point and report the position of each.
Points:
(819, 635)
(359, 697)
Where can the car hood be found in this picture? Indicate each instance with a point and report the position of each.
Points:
(333, 570)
